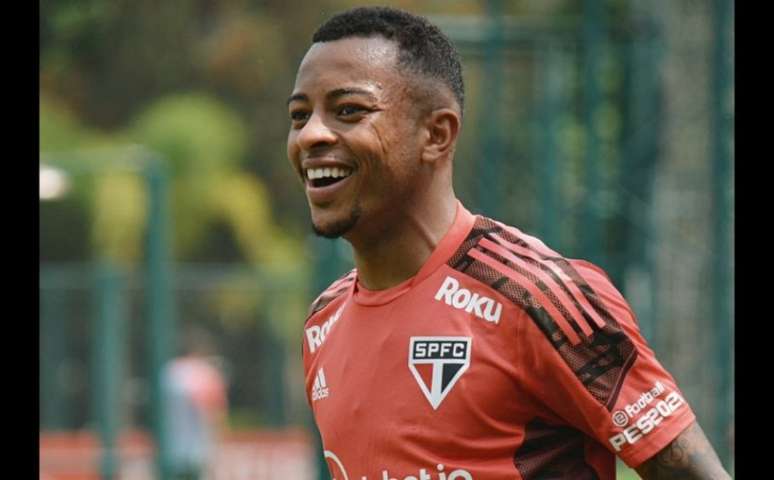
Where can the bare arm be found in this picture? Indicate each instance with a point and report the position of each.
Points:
(689, 456)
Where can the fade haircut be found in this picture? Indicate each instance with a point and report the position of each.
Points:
(422, 48)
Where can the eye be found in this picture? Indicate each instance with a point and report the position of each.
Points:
(350, 110)
(299, 115)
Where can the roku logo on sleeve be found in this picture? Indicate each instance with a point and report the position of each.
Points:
(316, 335)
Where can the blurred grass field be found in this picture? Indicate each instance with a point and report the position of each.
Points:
(625, 473)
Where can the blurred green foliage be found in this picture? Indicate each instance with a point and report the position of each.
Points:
(135, 71)
(203, 142)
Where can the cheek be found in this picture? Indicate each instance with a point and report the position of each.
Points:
(399, 150)
(292, 147)
(395, 137)
(381, 147)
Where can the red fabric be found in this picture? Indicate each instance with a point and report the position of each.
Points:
(520, 408)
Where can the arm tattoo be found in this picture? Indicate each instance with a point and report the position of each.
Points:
(689, 456)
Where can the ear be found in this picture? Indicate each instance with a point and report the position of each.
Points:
(442, 128)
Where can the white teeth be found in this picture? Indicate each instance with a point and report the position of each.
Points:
(331, 172)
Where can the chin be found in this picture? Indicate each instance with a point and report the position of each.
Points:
(338, 227)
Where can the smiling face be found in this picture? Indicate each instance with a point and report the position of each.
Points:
(353, 137)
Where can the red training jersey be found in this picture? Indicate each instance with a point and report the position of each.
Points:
(499, 359)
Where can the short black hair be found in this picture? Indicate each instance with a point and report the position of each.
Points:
(423, 48)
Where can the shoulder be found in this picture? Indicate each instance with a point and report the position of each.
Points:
(528, 272)
(533, 276)
(587, 327)
(600, 285)
(572, 302)
(335, 290)
(324, 312)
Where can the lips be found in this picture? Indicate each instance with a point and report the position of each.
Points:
(324, 178)
(323, 194)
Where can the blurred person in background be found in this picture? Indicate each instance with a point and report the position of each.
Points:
(459, 347)
(196, 406)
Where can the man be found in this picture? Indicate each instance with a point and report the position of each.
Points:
(196, 406)
(460, 347)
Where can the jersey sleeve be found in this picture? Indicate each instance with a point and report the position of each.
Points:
(319, 320)
(609, 384)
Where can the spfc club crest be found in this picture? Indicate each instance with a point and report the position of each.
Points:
(437, 363)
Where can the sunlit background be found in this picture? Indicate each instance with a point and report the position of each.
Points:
(605, 127)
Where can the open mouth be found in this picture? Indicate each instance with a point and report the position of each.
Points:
(324, 177)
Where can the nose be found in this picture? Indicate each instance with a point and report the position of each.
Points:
(315, 133)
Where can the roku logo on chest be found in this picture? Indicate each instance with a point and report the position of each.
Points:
(463, 299)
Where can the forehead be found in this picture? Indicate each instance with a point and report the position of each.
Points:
(353, 60)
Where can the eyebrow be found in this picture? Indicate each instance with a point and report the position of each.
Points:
(334, 94)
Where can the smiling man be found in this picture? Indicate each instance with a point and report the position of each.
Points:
(459, 348)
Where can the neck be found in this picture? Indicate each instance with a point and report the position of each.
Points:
(396, 253)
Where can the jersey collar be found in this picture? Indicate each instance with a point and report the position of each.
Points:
(463, 223)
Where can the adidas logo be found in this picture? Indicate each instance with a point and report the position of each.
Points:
(320, 387)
